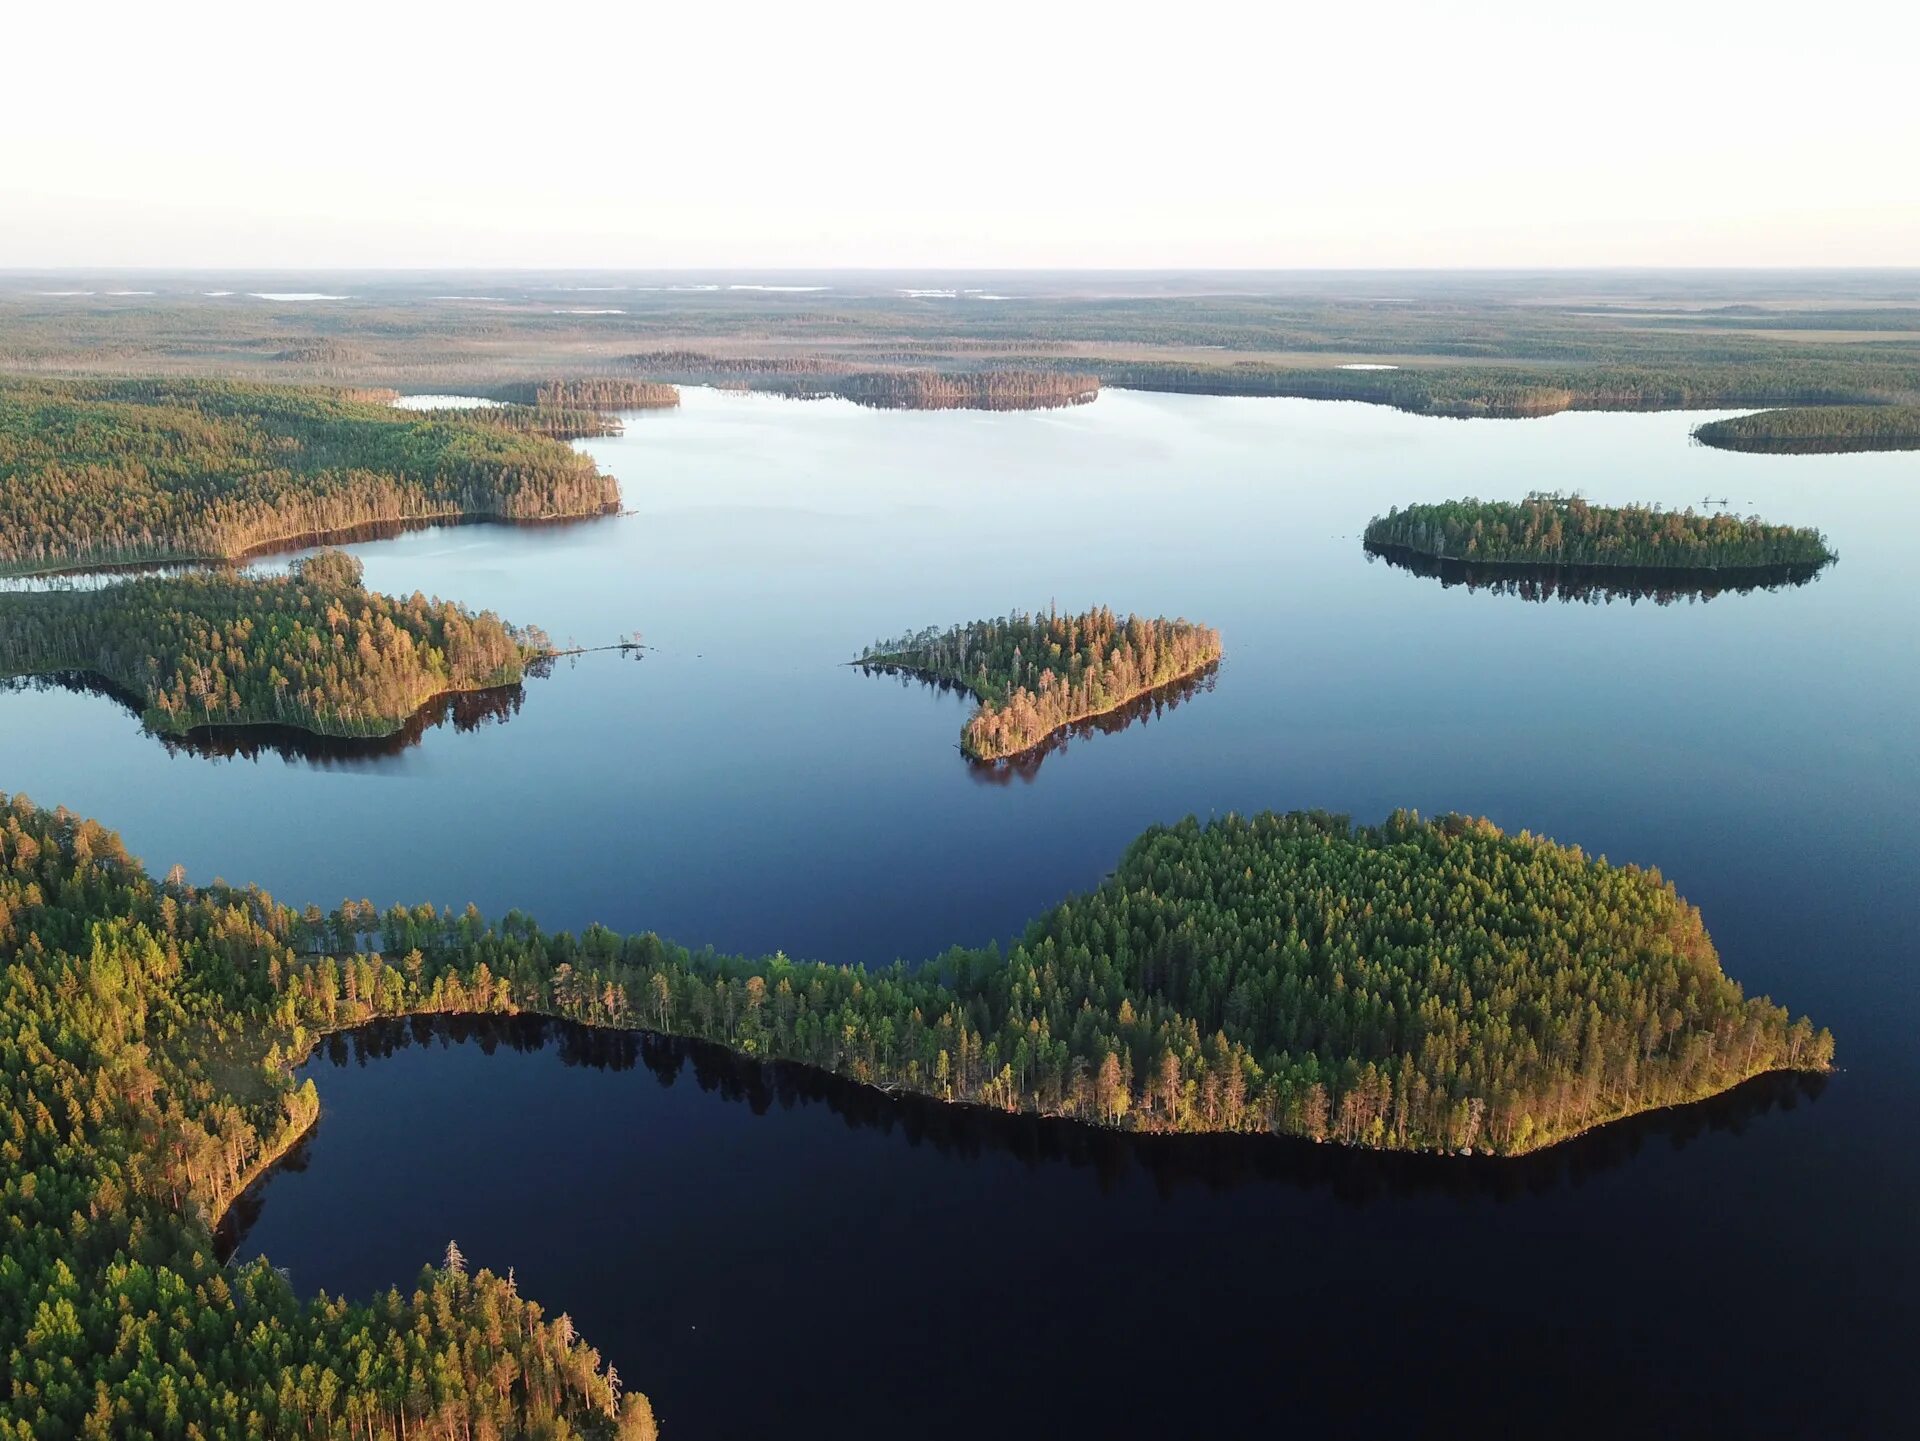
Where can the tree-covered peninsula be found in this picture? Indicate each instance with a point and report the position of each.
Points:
(1414, 985)
(120, 472)
(1817, 430)
(1036, 674)
(1557, 530)
(313, 649)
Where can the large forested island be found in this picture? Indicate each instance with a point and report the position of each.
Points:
(1557, 530)
(1036, 674)
(1817, 430)
(313, 649)
(119, 472)
(1420, 985)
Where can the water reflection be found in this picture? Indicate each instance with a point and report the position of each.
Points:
(1595, 584)
(463, 711)
(1168, 1163)
(1026, 765)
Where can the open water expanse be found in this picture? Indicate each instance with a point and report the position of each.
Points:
(768, 1253)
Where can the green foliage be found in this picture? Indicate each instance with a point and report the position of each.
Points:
(311, 649)
(137, 1022)
(1414, 985)
(100, 472)
(1034, 675)
(1816, 430)
(1547, 529)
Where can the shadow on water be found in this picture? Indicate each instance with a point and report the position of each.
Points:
(1168, 1163)
(1026, 765)
(1595, 584)
(463, 711)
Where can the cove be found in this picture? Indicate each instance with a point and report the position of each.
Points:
(746, 1233)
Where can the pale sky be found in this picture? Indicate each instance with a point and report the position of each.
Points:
(963, 135)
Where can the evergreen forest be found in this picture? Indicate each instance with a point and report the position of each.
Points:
(1034, 675)
(1553, 530)
(121, 472)
(313, 649)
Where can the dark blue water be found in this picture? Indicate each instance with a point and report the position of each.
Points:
(740, 786)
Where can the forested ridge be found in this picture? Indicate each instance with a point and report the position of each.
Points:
(1818, 429)
(108, 472)
(1414, 985)
(312, 649)
(1035, 674)
(1549, 529)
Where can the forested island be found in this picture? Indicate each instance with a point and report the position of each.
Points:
(603, 393)
(1556, 530)
(1817, 430)
(313, 650)
(1417, 985)
(127, 472)
(911, 388)
(1035, 675)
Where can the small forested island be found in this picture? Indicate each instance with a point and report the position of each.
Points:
(1034, 675)
(591, 393)
(1556, 530)
(313, 650)
(998, 387)
(1817, 430)
(1417, 985)
(967, 390)
(127, 472)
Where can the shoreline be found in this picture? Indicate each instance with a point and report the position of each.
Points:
(1045, 742)
(356, 533)
(1425, 562)
(261, 1169)
(102, 684)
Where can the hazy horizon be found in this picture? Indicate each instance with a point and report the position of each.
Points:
(855, 136)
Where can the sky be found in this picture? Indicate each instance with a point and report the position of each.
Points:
(1037, 134)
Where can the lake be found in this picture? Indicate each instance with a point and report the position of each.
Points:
(819, 1270)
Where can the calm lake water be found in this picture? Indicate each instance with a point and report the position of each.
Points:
(762, 1255)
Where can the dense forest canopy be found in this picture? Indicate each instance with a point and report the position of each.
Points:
(312, 649)
(1549, 529)
(102, 472)
(143, 1035)
(1816, 430)
(1035, 674)
(1415, 985)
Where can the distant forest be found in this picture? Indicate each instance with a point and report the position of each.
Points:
(1818, 430)
(914, 388)
(1493, 344)
(313, 650)
(115, 472)
(1549, 529)
(603, 393)
(1034, 675)
(1514, 391)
